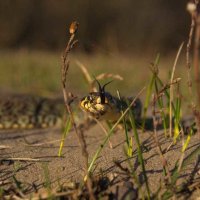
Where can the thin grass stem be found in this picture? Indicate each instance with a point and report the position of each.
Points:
(171, 88)
(139, 152)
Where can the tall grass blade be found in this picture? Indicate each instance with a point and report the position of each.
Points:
(185, 145)
(149, 90)
(129, 149)
(177, 117)
(171, 88)
(139, 151)
(161, 107)
(166, 92)
(64, 135)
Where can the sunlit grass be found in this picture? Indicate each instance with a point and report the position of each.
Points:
(32, 72)
(38, 72)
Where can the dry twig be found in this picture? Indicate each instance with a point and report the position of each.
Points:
(191, 33)
(24, 159)
(192, 8)
(79, 132)
(164, 88)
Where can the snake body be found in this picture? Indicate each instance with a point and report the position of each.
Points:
(26, 112)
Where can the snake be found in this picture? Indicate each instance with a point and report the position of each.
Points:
(28, 112)
(104, 106)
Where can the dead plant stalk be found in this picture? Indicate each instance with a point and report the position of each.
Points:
(194, 33)
(65, 67)
(79, 133)
(188, 62)
(196, 69)
(196, 58)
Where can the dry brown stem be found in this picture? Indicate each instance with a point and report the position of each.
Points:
(64, 70)
(194, 32)
(188, 62)
(196, 18)
(164, 88)
(24, 159)
(196, 58)
(79, 132)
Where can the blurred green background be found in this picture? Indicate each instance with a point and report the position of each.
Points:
(119, 36)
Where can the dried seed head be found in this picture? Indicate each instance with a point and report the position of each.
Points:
(73, 27)
(191, 7)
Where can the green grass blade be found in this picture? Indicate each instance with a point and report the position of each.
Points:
(64, 135)
(139, 152)
(165, 91)
(17, 183)
(186, 143)
(149, 91)
(124, 122)
(104, 142)
(161, 106)
(177, 116)
(147, 100)
(130, 148)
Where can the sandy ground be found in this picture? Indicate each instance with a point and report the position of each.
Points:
(23, 144)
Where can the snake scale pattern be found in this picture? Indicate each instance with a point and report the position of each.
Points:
(27, 112)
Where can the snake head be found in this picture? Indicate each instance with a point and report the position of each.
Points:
(102, 90)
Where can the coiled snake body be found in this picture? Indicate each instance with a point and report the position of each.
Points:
(26, 112)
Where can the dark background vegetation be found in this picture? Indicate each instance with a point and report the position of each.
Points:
(115, 36)
(117, 25)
